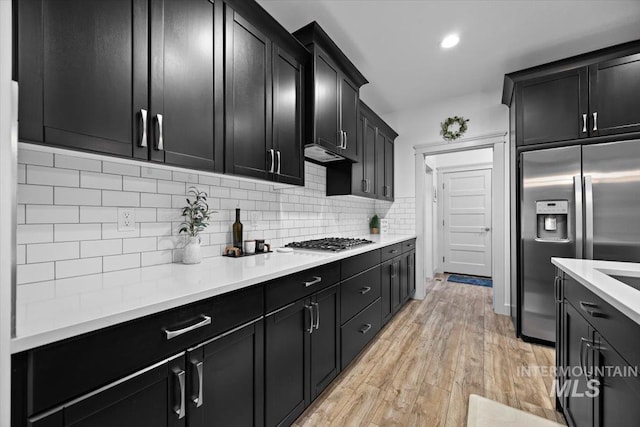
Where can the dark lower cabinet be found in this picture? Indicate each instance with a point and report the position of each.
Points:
(411, 272)
(226, 379)
(390, 299)
(325, 340)
(153, 397)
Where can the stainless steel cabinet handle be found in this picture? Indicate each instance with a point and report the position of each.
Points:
(368, 185)
(583, 362)
(365, 290)
(588, 217)
(584, 123)
(160, 143)
(316, 279)
(180, 411)
(366, 328)
(206, 320)
(273, 161)
(393, 269)
(317, 307)
(589, 308)
(278, 169)
(198, 399)
(595, 122)
(346, 139)
(577, 186)
(310, 308)
(364, 185)
(143, 139)
(393, 251)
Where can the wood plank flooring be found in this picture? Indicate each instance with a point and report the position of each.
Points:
(423, 365)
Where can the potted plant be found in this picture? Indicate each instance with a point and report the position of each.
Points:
(196, 215)
(374, 224)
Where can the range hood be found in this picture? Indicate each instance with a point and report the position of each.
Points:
(321, 154)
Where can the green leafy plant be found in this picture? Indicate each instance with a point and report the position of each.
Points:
(452, 135)
(374, 222)
(196, 213)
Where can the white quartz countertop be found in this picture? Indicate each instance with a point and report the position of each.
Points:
(51, 311)
(596, 276)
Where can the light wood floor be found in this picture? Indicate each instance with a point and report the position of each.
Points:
(423, 365)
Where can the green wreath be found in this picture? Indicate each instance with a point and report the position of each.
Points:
(450, 135)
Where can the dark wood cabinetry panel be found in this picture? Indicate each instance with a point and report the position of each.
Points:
(387, 283)
(369, 137)
(325, 340)
(82, 70)
(359, 331)
(186, 83)
(326, 102)
(248, 98)
(411, 272)
(389, 157)
(349, 99)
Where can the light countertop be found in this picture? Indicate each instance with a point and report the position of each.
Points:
(595, 276)
(51, 311)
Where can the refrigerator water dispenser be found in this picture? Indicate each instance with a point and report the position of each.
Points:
(552, 220)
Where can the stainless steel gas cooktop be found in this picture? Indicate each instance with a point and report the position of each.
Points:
(333, 244)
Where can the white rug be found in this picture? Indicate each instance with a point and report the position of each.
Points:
(484, 412)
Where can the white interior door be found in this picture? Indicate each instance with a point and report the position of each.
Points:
(467, 222)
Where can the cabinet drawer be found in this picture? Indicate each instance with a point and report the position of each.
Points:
(60, 371)
(358, 292)
(391, 251)
(285, 290)
(359, 263)
(408, 245)
(357, 333)
(614, 326)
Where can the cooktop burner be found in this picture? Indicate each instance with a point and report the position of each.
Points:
(334, 244)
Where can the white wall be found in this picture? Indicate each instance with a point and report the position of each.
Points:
(422, 125)
(461, 158)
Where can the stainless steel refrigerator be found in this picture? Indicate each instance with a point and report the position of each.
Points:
(575, 202)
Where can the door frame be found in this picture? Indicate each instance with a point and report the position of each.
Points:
(439, 268)
(500, 212)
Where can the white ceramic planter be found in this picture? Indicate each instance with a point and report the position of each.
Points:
(191, 253)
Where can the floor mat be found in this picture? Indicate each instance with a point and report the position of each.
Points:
(478, 281)
(484, 412)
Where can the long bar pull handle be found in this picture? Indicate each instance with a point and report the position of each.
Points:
(273, 161)
(584, 123)
(346, 139)
(556, 287)
(595, 121)
(583, 363)
(206, 320)
(198, 399)
(180, 410)
(317, 307)
(279, 160)
(143, 116)
(310, 308)
(316, 279)
(577, 185)
(160, 143)
(588, 217)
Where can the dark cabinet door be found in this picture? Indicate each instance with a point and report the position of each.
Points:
(327, 101)
(82, 69)
(152, 397)
(186, 83)
(287, 371)
(287, 118)
(387, 278)
(325, 340)
(379, 155)
(403, 272)
(248, 141)
(553, 108)
(577, 334)
(368, 183)
(618, 391)
(396, 284)
(411, 273)
(614, 104)
(387, 193)
(226, 379)
(349, 99)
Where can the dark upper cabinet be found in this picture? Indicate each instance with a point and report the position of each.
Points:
(333, 90)
(590, 95)
(367, 182)
(82, 70)
(186, 84)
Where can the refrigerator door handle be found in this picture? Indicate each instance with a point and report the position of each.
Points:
(577, 185)
(588, 216)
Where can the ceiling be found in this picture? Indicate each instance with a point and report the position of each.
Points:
(396, 43)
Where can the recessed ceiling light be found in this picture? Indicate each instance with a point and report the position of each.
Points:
(450, 41)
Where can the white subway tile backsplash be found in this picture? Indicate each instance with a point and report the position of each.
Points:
(21, 254)
(35, 194)
(77, 196)
(145, 215)
(40, 291)
(31, 157)
(100, 181)
(52, 176)
(89, 214)
(172, 187)
(22, 174)
(97, 248)
(209, 180)
(78, 267)
(155, 229)
(120, 262)
(231, 183)
(21, 214)
(169, 215)
(46, 214)
(142, 244)
(110, 231)
(120, 169)
(29, 273)
(120, 198)
(155, 173)
(38, 233)
(78, 163)
(191, 178)
(139, 184)
(44, 252)
(76, 232)
(155, 200)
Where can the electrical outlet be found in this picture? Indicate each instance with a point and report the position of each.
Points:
(126, 220)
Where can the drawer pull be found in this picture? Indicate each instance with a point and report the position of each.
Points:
(180, 410)
(206, 320)
(316, 279)
(365, 290)
(198, 399)
(365, 329)
(588, 307)
(393, 251)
